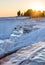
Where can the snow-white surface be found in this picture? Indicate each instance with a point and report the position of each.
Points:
(16, 33)
(30, 55)
(17, 38)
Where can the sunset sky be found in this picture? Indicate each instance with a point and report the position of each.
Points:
(10, 7)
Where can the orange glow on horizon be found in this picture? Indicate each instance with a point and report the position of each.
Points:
(10, 7)
(37, 6)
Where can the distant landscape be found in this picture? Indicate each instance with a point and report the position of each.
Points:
(32, 13)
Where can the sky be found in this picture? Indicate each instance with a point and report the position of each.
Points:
(10, 7)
